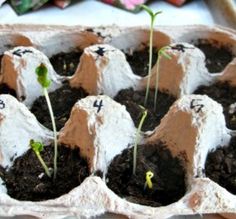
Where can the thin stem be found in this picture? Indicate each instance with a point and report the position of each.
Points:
(137, 140)
(150, 62)
(54, 132)
(156, 82)
(43, 163)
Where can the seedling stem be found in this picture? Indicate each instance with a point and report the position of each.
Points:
(137, 139)
(37, 147)
(42, 72)
(152, 16)
(161, 53)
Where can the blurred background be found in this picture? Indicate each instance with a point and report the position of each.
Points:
(95, 13)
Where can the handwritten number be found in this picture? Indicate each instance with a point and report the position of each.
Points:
(195, 105)
(2, 104)
(98, 105)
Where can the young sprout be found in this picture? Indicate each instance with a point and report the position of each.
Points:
(148, 183)
(137, 139)
(161, 53)
(37, 147)
(153, 17)
(42, 73)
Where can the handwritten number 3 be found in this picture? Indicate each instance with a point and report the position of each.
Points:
(2, 104)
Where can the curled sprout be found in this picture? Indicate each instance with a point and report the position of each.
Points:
(153, 17)
(37, 147)
(148, 183)
(42, 73)
(161, 53)
(137, 139)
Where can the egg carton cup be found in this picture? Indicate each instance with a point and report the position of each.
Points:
(106, 132)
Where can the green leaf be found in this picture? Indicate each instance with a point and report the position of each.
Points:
(36, 146)
(150, 12)
(42, 73)
(162, 52)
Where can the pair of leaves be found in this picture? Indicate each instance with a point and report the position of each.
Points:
(42, 73)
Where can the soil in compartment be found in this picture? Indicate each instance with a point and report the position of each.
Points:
(65, 64)
(62, 100)
(139, 60)
(217, 56)
(168, 180)
(221, 166)
(5, 89)
(224, 94)
(132, 99)
(26, 179)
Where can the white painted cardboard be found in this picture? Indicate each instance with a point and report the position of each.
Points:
(103, 69)
(18, 72)
(93, 197)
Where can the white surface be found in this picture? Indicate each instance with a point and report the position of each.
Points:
(90, 12)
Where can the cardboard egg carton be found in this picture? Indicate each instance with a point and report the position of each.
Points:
(103, 71)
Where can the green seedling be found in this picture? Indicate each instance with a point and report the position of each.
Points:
(148, 183)
(37, 147)
(137, 139)
(153, 17)
(42, 73)
(161, 53)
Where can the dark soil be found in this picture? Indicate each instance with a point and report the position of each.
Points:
(66, 63)
(62, 100)
(221, 166)
(132, 99)
(24, 180)
(168, 180)
(224, 94)
(139, 61)
(217, 56)
(5, 89)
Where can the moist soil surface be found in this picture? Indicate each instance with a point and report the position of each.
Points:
(65, 64)
(132, 99)
(224, 94)
(221, 166)
(217, 56)
(168, 180)
(62, 100)
(26, 179)
(139, 60)
(5, 89)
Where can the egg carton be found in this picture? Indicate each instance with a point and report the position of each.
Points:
(103, 71)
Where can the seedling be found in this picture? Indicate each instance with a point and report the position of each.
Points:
(137, 139)
(161, 53)
(148, 183)
(42, 73)
(37, 147)
(153, 17)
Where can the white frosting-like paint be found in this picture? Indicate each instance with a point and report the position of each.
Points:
(103, 69)
(17, 126)
(181, 74)
(100, 134)
(202, 126)
(18, 72)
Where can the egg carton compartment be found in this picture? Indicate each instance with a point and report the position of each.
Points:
(101, 128)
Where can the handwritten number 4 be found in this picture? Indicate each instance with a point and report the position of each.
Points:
(195, 105)
(98, 105)
(2, 104)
